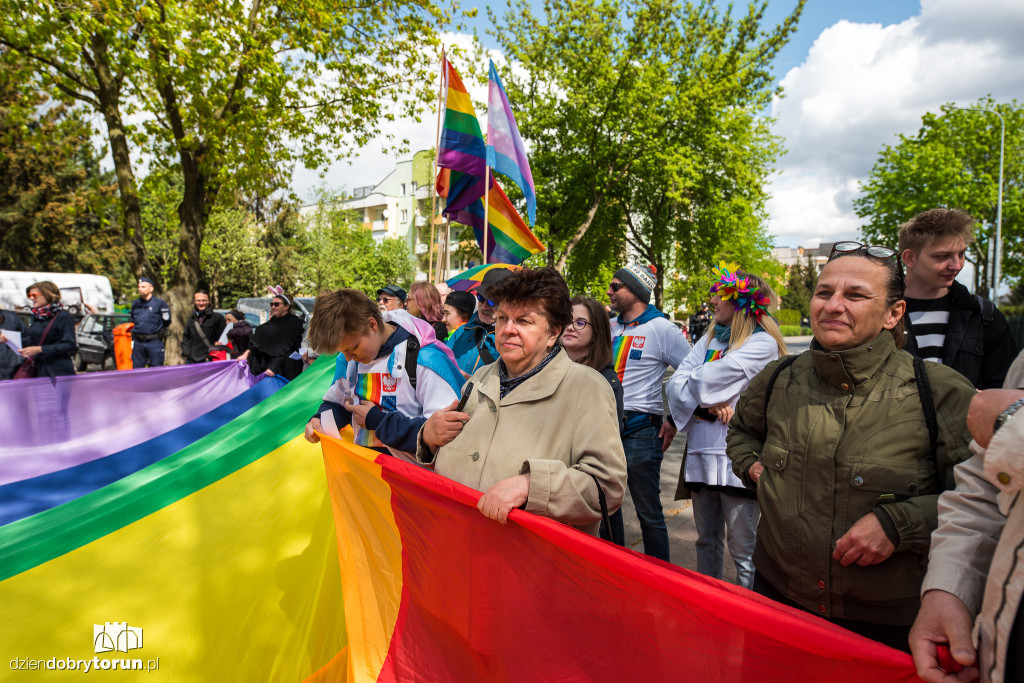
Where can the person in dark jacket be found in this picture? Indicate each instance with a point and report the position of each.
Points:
(240, 333)
(202, 330)
(9, 359)
(152, 317)
(50, 338)
(275, 341)
(946, 323)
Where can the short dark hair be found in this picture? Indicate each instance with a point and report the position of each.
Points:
(541, 287)
(200, 291)
(599, 354)
(339, 313)
(933, 225)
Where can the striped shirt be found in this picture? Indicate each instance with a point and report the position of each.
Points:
(928, 319)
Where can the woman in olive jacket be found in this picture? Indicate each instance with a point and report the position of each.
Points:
(840, 450)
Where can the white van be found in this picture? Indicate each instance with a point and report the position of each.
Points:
(75, 288)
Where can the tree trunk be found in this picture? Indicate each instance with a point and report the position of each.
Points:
(580, 232)
(108, 94)
(185, 280)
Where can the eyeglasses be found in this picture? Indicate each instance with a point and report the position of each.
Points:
(580, 323)
(483, 299)
(275, 304)
(615, 286)
(873, 251)
(385, 299)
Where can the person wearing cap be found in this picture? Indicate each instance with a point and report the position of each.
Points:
(458, 309)
(473, 343)
(152, 317)
(391, 298)
(644, 345)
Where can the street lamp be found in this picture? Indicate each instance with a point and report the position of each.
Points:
(997, 270)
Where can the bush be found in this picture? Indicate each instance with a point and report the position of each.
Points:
(794, 331)
(788, 316)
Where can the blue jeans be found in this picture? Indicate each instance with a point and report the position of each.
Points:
(643, 468)
(718, 516)
(149, 353)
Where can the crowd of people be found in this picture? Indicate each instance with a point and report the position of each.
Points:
(873, 480)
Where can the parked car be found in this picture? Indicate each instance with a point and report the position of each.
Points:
(95, 337)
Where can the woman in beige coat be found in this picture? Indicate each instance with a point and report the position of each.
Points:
(539, 432)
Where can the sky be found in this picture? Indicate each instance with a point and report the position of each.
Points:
(854, 76)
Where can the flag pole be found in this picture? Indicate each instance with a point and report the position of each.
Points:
(487, 206)
(437, 147)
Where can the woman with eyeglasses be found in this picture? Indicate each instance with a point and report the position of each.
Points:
(275, 342)
(848, 446)
(701, 396)
(587, 340)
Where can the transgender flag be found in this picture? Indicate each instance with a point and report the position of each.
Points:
(505, 151)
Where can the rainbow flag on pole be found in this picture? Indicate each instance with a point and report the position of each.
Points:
(461, 147)
(510, 240)
(505, 151)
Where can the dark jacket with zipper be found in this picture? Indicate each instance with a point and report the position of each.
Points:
(978, 342)
(845, 437)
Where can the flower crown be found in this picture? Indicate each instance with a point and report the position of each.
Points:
(743, 291)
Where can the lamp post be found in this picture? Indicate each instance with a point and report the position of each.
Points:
(997, 270)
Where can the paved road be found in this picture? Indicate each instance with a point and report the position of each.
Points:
(682, 534)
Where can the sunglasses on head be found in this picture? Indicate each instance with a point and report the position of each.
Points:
(873, 251)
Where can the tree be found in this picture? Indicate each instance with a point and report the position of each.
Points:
(803, 278)
(636, 109)
(953, 162)
(230, 95)
(55, 202)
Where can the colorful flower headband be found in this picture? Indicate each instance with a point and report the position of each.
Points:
(745, 292)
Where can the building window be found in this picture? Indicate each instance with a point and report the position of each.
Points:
(405, 215)
(403, 189)
(414, 186)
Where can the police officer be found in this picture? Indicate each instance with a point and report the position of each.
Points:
(151, 317)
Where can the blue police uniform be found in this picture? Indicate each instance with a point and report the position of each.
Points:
(151, 318)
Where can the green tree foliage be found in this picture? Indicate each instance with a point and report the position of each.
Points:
(55, 203)
(803, 278)
(230, 94)
(642, 110)
(334, 250)
(953, 161)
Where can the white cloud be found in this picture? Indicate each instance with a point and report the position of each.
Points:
(862, 84)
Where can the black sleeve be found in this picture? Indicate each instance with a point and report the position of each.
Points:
(1000, 352)
(60, 340)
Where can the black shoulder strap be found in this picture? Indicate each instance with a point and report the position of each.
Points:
(924, 391)
(607, 525)
(988, 309)
(412, 352)
(480, 334)
(786, 362)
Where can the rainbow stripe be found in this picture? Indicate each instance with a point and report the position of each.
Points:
(620, 354)
(462, 146)
(713, 354)
(471, 278)
(509, 240)
(370, 387)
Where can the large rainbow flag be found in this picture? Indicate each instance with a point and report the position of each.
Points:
(235, 558)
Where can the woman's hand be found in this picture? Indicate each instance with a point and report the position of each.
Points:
(865, 543)
(359, 409)
(505, 496)
(723, 411)
(3, 339)
(269, 373)
(442, 427)
(29, 351)
(755, 472)
(312, 427)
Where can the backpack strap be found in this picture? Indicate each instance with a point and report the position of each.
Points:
(480, 334)
(988, 310)
(412, 351)
(606, 526)
(786, 362)
(924, 391)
